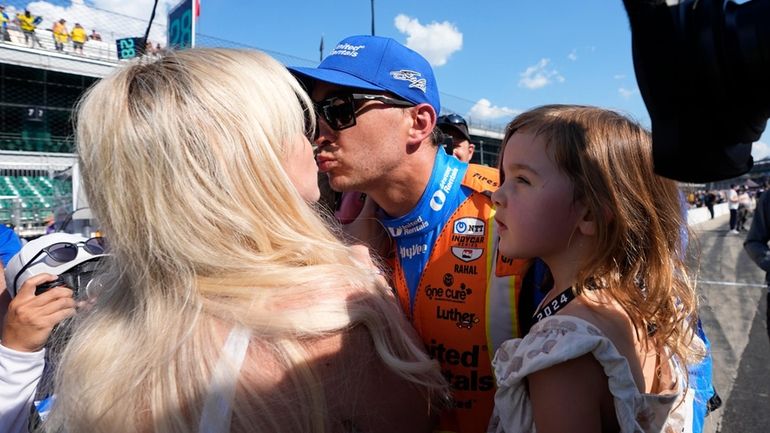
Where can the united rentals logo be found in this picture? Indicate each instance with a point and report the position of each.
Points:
(409, 228)
(438, 200)
(461, 367)
(413, 77)
(346, 50)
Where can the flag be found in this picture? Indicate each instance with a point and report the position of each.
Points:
(321, 49)
(197, 8)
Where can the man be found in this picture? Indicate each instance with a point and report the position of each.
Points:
(28, 24)
(60, 34)
(733, 204)
(454, 126)
(4, 20)
(377, 103)
(79, 38)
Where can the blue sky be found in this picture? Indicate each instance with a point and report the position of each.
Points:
(492, 58)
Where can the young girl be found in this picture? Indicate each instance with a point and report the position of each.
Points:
(611, 339)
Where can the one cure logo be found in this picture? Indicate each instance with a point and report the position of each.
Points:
(449, 294)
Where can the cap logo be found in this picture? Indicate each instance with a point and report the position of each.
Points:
(346, 50)
(412, 77)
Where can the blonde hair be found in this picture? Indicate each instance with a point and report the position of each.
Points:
(640, 241)
(181, 161)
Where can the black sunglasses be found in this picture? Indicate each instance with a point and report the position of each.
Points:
(64, 252)
(339, 112)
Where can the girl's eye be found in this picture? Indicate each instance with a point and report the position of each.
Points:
(522, 179)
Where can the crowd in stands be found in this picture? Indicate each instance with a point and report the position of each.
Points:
(65, 39)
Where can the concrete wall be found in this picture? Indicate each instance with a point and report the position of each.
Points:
(701, 214)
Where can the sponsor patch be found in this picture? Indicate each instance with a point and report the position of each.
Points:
(467, 254)
(411, 251)
(469, 226)
(413, 77)
(438, 200)
(462, 319)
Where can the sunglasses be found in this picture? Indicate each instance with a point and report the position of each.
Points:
(339, 112)
(64, 252)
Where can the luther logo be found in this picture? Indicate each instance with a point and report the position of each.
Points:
(462, 319)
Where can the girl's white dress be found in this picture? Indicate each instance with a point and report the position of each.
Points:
(560, 338)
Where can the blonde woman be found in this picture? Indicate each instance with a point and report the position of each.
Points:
(232, 306)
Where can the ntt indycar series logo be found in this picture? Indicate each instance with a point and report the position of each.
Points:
(447, 182)
(469, 226)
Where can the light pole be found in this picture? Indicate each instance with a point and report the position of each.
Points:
(372, 17)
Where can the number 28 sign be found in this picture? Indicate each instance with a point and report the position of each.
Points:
(181, 26)
(128, 48)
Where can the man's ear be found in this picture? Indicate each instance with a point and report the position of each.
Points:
(423, 118)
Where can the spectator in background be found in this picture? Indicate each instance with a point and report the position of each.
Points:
(79, 38)
(732, 204)
(454, 126)
(60, 34)
(4, 20)
(710, 199)
(28, 24)
(756, 244)
(10, 244)
(94, 36)
(744, 207)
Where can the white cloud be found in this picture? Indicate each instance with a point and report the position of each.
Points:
(435, 41)
(537, 76)
(619, 76)
(626, 93)
(573, 55)
(760, 150)
(484, 110)
(103, 16)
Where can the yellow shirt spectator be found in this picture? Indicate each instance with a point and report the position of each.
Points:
(79, 34)
(26, 22)
(60, 32)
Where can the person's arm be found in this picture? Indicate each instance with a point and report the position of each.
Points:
(759, 234)
(568, 396)
(27, 325)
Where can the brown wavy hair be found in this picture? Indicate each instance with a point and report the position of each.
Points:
(642, 234)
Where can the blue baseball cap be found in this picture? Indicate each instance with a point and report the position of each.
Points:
(377, 63)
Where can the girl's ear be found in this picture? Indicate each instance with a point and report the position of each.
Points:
(587, 223)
